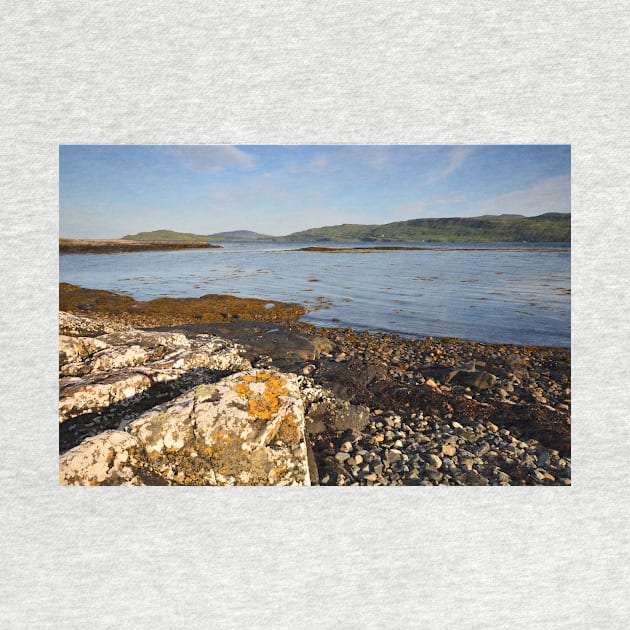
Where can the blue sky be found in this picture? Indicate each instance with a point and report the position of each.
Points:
(109, 191)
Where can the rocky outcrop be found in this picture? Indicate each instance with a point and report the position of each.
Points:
(112, 458)
(289, 349)
(101, 367)
(158, 408)
(247, 429)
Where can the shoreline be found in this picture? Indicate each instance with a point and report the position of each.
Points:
(483, 413)
(377, 248)
(120, 246)
(219, 308)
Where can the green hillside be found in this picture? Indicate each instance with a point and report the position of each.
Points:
(552, 227)
(171, 235)
(545, 228)
(239, 235)
(164, 235)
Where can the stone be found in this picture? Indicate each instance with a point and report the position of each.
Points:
(377, 467)
(346, 447)
(473, 478)
(111, 458)
(325, 412)
(433, 460)
(342, 457)
(475, 380)
(392, 456)
(482, 449)
(74, 326)
(76, 349)
(121, 367)
(433, 474)
(449, 450)
(247, 429)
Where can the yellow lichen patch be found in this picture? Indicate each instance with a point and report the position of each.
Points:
(225, 454)
(289, 431)
(263, 402)
(205, 390)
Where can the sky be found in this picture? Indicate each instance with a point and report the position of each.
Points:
(108, 191)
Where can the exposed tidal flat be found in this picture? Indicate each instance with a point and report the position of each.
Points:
(115, 246)
(369, 406)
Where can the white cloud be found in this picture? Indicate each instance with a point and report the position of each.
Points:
(456, 157)
(549, 195)
(212, 158)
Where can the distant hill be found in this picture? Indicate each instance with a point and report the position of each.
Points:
(552, 227)
(171, 235)
(239, 235)
(164, 235)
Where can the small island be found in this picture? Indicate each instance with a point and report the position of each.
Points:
(117, 246)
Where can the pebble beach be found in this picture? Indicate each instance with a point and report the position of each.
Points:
(410, 411)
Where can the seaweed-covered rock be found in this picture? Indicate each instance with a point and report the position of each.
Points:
(326, 413)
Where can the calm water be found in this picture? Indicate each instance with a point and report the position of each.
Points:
(518, 297)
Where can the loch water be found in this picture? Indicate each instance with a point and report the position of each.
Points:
(480, 292)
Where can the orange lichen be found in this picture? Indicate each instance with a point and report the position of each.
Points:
(263, 404)
(289, 431)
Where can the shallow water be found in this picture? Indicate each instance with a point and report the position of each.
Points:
(520, 296)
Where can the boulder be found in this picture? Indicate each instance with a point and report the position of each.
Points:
(113, 458)
(74, 326)
(119, 367)
(77, 349)
(475, 380)
(288, 348)
(325, 413)
(247, 429)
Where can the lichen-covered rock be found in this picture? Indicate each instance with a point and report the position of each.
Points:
(111, 367)
(74, 326)
(111, 458)
(77, 349)
(247, 429)
(210, 429)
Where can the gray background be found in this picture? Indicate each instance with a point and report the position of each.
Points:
(301, 72)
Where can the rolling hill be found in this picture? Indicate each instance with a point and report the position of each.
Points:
(171, 235)
(164, 235)
(545, 228)
(551, 227)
